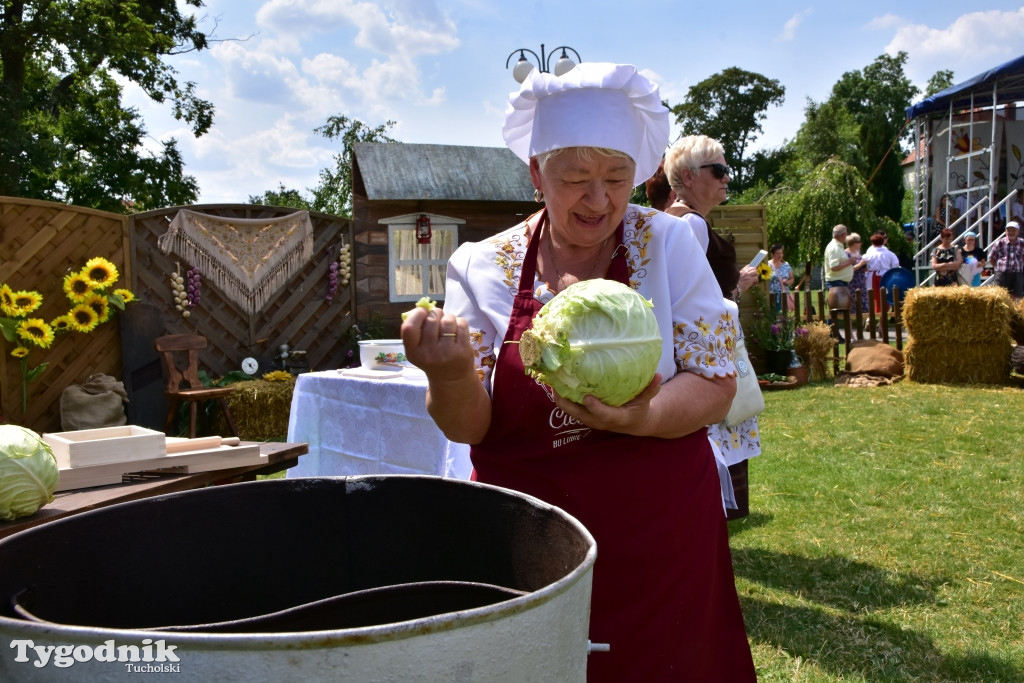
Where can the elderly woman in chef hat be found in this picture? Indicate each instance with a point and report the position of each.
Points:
(641, 477)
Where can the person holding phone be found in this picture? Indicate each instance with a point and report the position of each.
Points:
(696, 171)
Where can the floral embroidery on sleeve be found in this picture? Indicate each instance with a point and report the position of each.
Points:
(637, 241)
(509, 257)
(706, 347)
(484, 354)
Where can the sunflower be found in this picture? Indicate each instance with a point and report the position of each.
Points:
(126, 295)
(101, 272)
(7, 299)
(36, 331)
(83, 318)
(764, 271)
(19, 352)
(61, 323)
(277, 376)
(26, 302)
(98, 303)
(77, 286)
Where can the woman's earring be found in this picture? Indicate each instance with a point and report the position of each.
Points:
(538, 196)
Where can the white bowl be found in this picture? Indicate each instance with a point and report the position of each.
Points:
(383, 354)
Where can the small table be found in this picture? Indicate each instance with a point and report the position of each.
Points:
(280, 456)
(357, 422)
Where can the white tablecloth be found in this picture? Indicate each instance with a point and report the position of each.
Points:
(355, 425)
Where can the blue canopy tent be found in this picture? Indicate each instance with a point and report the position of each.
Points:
(1007, 80)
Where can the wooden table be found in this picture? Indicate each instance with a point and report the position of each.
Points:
(280, 456)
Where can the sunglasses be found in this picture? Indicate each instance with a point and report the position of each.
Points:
(718, 170)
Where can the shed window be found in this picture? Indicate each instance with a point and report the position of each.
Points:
(417, 270)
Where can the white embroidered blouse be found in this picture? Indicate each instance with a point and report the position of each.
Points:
(666, 264)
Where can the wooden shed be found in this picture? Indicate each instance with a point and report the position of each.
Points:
(460, 194)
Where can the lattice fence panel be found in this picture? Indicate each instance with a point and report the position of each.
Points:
(298, 314)
(40, 242)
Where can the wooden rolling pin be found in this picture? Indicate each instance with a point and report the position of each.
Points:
(201, 444)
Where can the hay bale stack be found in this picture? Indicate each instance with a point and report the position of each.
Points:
(958, 335)
(260, 408)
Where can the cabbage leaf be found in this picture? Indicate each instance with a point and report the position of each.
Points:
(595, 337)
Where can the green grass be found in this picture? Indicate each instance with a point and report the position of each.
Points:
(885, 536)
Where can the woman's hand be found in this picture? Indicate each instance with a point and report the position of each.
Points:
(437, 343)
(629, 418)
(680, 406)
(748, 276)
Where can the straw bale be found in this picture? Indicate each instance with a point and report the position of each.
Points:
(942, 362)
(961, 315)
(815, 348)
(261, 408)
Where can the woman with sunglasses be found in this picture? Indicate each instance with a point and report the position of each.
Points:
(696, 171)
(695, 168)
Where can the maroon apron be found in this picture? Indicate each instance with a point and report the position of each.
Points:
(664, 596)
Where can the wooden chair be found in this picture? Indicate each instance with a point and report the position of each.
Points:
(183, 384)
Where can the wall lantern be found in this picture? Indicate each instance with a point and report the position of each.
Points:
(423, 232)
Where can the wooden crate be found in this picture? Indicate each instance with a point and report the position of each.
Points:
(190, 462)
(86, 447)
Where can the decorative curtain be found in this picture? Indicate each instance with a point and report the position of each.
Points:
(248, 259)
(422, 267)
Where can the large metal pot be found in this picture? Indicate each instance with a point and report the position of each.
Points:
(374, 578)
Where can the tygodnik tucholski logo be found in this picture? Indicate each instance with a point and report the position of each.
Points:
(149, 656)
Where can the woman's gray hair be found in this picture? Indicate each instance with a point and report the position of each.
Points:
(692, 152)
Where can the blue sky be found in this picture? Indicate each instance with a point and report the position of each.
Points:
(437, 67)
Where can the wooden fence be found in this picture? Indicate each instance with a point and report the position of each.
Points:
(41, 241)
(852, 323)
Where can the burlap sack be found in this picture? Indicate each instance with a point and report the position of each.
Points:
(872, 357)
(99, 402)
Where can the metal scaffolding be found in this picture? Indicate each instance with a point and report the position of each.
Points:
(981, 191)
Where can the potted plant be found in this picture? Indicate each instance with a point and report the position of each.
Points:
(774, 333)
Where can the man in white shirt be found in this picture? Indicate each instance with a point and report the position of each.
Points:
(838, 272)
(838, 265)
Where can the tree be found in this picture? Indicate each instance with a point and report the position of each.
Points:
(939, 81)
(66, 136)
(878, 98)
(282, 196)
(829, 130)
(730, 107)
(834, 192)
(334, 193)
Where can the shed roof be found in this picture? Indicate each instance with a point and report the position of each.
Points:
(1006, 81)
(399, 171)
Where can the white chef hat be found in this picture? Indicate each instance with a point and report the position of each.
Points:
(594, 105)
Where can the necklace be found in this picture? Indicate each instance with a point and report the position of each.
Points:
(554, 261)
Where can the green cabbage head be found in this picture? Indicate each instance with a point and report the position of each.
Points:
(28, 472)
(595, 337)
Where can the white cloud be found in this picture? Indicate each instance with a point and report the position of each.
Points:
(886, 21)
(789, 28)
(256, 74)
(388, 27)
(973, 42)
